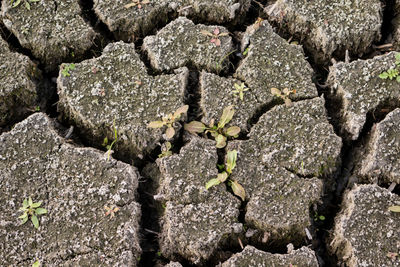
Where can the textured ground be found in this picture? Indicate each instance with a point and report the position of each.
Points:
(295, 129)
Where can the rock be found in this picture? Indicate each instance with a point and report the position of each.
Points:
(365, 231)
(173, 264)
(196, 222)
(18, 86)
(53, 31)
(74, 184)
(115, 87)
(137, 21)
(250, 256)
(182, 43)
(270, 62)
(396, 26)
(361, 91)
(329, 28)
(381, 158)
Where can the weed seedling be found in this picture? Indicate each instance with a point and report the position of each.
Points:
(318, 217)
(392, 73)
(31, 209)
(165, 150)
(110, 146)
(219, 65)
(215, 35)
(137, 3)
(239, 90)
(36, 264)
(224, 176)
(169, 121)
(65, 68)
(15, 3)
(219, 132)
(284, 94)
(111, 211)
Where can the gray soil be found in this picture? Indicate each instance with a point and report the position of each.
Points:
(315, 181)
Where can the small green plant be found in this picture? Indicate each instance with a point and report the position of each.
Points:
(225, 174)
(15, 3)
(36, 264)
(215, 35)
(318, 217)
(219, 65)
(66, 68)
(239, 90)
(394, 208)
(284, 94)
(137, 3)
(165, 150)
(31, 209)
(110, 146)
(169, 121)
(218, 131)
(110, 211)
(37, 108)
(392, 73)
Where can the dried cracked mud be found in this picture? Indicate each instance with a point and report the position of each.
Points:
(317, 158)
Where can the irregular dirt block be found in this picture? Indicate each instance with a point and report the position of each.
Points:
(250, 256)
(115, 87)
(52, 30)
(181, 42)
(18, 85)
(365, 231)
(196, 222)
(381, 160)
(358, 86)
(137, 21)
(330, 27)
(298, 138)
(272, 62)
(73, 184)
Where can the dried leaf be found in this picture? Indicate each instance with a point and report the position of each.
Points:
(233, 131)
(217, 42)
(156, 124)
(195, 127)
(181, 110)
(231, 158)
(170, 132)
(286, 91)
(222, 176)
(212, 182)
(221, 141)
(223, 34)
(394, 208)
(204, 32)
(226, 117)
(238, 190)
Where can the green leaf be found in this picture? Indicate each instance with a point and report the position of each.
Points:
(36, 264)
(245, 51)
(16, 3)
(221, 141)
(322, 217)
(222, 177)
(156, 124)
(212, 182)
(233, 131)
(394, 208)
(221, 167)
(40, 211)
(37, 204)
(23, 216)
(384, 75)
(397, 56)
(238, 190)
(398, 79)
(195, 127)
(24, 220)
(72, 66)
(35, 221)
(168, 146)
(30, 202)
(105, 141)
(231, 160)
(25, 204)
(170, 132)
(226, 117)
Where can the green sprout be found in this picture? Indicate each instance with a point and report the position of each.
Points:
(169, 121)
(15, 3)
(65, 68)
(36, 264)
(165, 150)
(218, 131)
(31, 209)
(110, 146)
(239, 90)
(225, 174)
(392, 73)
(284, 94)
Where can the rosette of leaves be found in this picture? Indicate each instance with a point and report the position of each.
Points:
(284, 94)
(224, 176)
(218, 131)
(215, 35)
(239, 90)
(169, 121)
(31, 210)
(392, 73)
